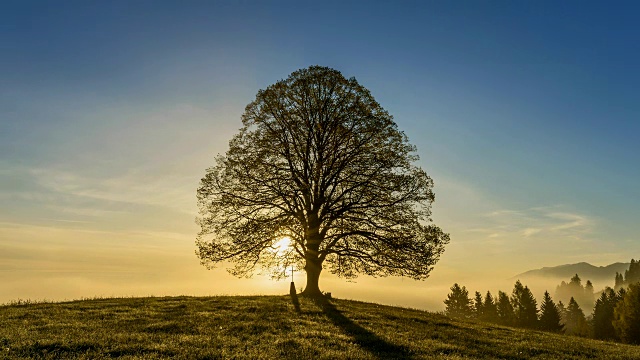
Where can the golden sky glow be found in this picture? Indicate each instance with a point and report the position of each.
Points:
(527, 122)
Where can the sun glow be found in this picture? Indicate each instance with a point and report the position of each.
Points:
(282, 246)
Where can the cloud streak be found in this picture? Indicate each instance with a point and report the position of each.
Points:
(537, 222)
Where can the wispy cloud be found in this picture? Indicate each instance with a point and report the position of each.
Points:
(570, 221)
(69, 221)
(135, 186)
(530, 231)
(549, 222)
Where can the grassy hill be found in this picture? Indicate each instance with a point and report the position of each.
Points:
(268, 327)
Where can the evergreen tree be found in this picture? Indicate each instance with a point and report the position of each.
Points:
(627, 316)
(589, 297)
(576, 281)
(603, 315)
(632, 275)
(575, 323)
(583, 295)
(458, 302)
(620, 294)
(478, 306)
(619, 281)
(524, 306)
(490, 312)
(562, 310)
(549, 315)
(504, 310)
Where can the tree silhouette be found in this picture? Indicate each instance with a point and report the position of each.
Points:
(620, 294)
(603, 315)
(589, 296)
(549, 315)
(632, 275)
(318, 160)
(562, 310)
(575, 322)
(627, 315)
(619, 281)
(582, 294)
(478, 306)
(490, 311)
(524, 306)
(505, 309)
(458, 302)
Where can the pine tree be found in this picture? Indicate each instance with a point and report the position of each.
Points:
(458, 302)
(632, 275)
(627, 316)
(619, 281)
(504, 310)
(478, 306)
(620, 294)
(583, 295)
(589, 297)
(576, 281)
(576, 323)
(603, 315)
(524, 306)
(549, 315)
(562, 310)
(490, 312)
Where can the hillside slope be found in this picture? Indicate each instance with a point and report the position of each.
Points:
(585, 270)
(267, 327)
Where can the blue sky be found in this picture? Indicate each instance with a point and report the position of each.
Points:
(524, 113)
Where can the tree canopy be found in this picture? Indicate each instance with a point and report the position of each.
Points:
(319, 161)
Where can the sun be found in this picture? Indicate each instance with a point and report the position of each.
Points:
(282, 245)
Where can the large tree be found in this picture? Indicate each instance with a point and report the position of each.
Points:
(319, 161)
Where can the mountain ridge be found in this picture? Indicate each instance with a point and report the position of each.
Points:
(585, 270)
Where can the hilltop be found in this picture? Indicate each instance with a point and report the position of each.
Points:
(267, 327)
(585, 270)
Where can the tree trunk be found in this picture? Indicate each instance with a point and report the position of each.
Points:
(313, 265)
(313, 269)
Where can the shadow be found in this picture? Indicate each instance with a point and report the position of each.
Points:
(366, 339)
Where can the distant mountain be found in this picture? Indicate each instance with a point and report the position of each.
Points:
(585, 270)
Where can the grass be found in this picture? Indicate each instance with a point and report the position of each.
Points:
(268, 327)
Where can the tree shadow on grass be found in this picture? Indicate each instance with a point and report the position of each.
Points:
(366, 339)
